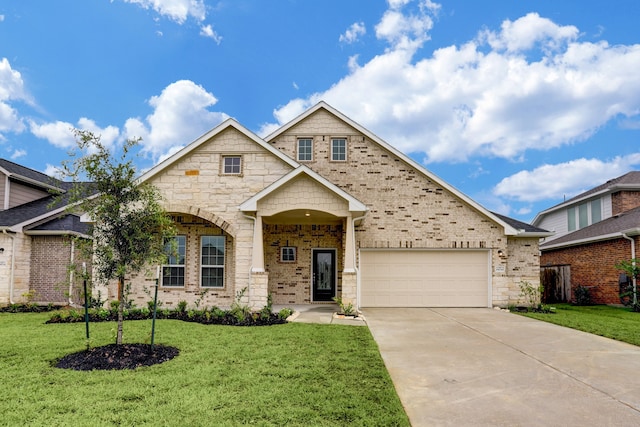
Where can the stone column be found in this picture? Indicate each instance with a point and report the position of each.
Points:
(258, 247)
(349, 247)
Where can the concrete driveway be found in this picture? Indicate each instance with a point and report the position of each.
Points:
(485, 367)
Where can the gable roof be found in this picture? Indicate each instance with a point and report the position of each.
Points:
(509, 228)
(227, 124)
(525, 229)
(38, 210)
(251, 204)
(627, 222)
(628, 181)
(30, 176)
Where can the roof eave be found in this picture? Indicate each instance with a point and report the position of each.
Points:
(584, 241)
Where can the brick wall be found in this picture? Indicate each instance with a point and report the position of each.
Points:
(594, 266)
(407, 209)
(622, 201)
(290, 282)
(51, 258)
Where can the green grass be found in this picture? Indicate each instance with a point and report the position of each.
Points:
(294, 374)
(612, 322)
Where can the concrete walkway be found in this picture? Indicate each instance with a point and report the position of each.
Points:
(320, 313)
(484, 367)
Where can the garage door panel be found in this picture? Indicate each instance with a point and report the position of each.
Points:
(415, 278)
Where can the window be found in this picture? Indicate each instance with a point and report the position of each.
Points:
(584, 215)
(339, 150)
(583, 219)
(571, 217)
(288, 254)
(305, 149)
(232, 165)
(596, 211)
(173, 271)
(212, 261)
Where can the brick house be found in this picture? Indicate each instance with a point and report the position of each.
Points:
(37, 244)
(322, 208)
(594, 231)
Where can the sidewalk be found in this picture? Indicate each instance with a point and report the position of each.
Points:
(320, 313)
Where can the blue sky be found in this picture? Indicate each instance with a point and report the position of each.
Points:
(518, 104)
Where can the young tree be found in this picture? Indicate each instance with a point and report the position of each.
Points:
(130, 226)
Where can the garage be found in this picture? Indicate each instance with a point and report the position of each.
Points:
(424, 278)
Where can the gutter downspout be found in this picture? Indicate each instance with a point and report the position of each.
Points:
(71, 271)
(633, 262)
(13, 264)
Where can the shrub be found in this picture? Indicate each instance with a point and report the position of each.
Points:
(582, 296)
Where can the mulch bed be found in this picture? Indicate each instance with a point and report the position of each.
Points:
(113, 356)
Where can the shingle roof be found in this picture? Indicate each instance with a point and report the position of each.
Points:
(608, 228)
(17, 171)
(519, 225)
(64, 223)
(36, 208)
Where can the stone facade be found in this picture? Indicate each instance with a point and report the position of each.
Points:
(273, 201)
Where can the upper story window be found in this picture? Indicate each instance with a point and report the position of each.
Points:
(232, 165)
(339, 149)
(305, 149)
(584, 215)
(173, 271)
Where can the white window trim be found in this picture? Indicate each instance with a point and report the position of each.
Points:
(345, 150)
(298, 149)
(231, 156)
(221, 267)
(183, 266)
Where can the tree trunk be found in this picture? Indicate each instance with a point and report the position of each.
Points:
(120, 309)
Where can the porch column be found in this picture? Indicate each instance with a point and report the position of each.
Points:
(349, 247)
(258, 246)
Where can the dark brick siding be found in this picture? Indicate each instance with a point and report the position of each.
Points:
(594, 266)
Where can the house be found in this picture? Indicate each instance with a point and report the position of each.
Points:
(323, 208)
(37, 245)
(595, 230)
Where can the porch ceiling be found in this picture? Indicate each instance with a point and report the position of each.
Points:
(302, 216)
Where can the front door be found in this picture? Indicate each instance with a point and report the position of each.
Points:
(324, 274)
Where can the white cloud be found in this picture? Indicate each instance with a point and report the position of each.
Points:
(207, 31)
(176, 10)
(563, 179)
(58, 133)
(180, 114)
(352, 34)
(11, 89)
(533, 85)
(18, 153)
(61, 135)
(524, 33)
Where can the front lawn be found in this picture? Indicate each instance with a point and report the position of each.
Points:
(617, 323)
(294, 374)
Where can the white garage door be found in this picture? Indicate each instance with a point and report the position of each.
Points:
(424, 278)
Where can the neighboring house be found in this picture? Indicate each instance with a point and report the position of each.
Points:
(36, 245)
(323, 208)
(594, 231)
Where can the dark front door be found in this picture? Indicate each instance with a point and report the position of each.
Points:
(324, 274)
